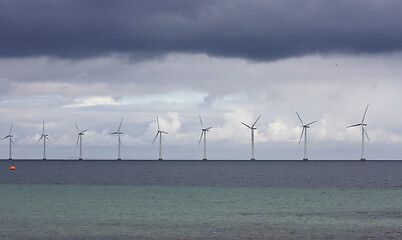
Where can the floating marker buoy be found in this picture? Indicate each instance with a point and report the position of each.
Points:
(12, 167)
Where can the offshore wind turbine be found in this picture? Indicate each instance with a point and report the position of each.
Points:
(304, 131)
(118, 133)
(252, 128)
(159, 132)
(79, 138)
(204, 133)
(362, 125)
(10, 136)
(45, 137)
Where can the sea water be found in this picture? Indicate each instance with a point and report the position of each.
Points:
(201, 200)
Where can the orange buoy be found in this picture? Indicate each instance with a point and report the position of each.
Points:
(12, 167)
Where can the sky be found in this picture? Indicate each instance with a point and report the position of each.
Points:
(228, 61)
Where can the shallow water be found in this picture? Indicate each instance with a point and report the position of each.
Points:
(201, 200)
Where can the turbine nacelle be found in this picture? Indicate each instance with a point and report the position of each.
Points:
(205, 129)
(8, 136)
(252, 127)
(82, 133)
(44, 136)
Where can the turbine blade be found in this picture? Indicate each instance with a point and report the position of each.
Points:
(113, 133)
(120, 124)
(43, 126)
(365, 132)
(78, 138)
(301, 136)
(157, 120)
(78, 130)
(365, 113)
(311, 123)
(208, 128)
(11, 127)
(299, 118)
(245, 125)
(4, 137)
(155, 137)
(47, 138)
(202, 133)
(164, 132)
(256, 121)
(83, 131)
(12, 141)
(40, 139)
(201, 122)
(354, 125)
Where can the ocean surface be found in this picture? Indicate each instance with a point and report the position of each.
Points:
(201, 200)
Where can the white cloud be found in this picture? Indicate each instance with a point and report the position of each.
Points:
(94, 101)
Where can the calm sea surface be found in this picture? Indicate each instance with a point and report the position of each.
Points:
(201, 200)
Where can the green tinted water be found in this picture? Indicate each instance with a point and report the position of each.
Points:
(138, 212)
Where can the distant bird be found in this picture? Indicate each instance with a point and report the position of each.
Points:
(362, 125)
(45, 137)
(252, 128)
(204, 133)
(304, 131)
(118, 133)
(159, 132)
(79, 139)
(10, 136)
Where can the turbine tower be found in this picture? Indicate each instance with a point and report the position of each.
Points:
(252, 128)
(362, 124)
(204, 133)
(304, 131)
(119, 141)
(159, 132)
(45, 137)
(10, 136)
(79, 138)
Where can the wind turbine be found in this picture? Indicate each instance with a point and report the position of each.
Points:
(119, 141)
(79, 138)
(11, 140)
(252, 128)
(304, 131)
(44, 136)
(159, 132)
(362, 124)
(204, 133)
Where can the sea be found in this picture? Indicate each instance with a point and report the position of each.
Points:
(90, 199)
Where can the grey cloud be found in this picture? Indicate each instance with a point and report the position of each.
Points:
(256, 30)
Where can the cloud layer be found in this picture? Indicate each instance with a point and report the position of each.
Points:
(256, 30)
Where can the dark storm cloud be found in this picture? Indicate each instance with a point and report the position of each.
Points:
(257, 30)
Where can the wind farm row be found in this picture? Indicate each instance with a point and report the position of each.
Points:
(203, 137)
